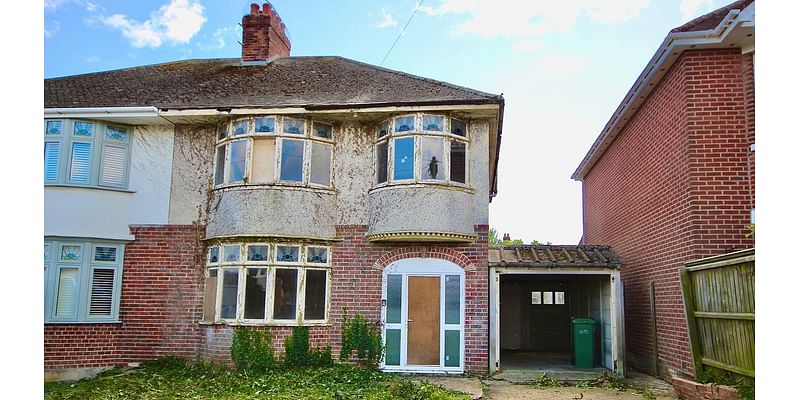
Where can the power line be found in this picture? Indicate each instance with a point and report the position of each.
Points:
(401, 32)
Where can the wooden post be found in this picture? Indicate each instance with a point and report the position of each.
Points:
(691, 324)
(652, 287)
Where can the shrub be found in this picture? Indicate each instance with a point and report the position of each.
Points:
(298, 353)
(361, 336)
(251, 350)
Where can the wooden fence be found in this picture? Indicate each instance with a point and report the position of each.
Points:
(719, 295)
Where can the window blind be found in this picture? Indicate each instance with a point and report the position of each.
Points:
(81, 165)
(52, 150)
(102, 292)
(112, 165)
(67, 301)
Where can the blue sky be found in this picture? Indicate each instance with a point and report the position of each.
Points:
(563, 67)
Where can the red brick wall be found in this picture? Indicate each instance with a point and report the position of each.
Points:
(674, 187)
(159, 307)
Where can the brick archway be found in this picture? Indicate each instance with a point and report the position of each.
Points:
(444, 253)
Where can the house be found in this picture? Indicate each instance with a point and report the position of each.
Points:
(670, 179)
(186, 198)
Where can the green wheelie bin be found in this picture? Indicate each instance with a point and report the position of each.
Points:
(583, 342)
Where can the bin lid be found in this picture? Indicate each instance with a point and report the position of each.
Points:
(576, 321)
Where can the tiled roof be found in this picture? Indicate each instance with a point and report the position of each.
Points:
(553, 256)
(284, 82)
(712, 19)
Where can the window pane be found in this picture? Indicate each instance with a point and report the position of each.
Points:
(536, 297)
(237, 161)
(112, 165)
(383, 129)
(285, 304)
(458, 127)
(263, 161)
(452, 299)
(67, 299)
(101, 300)
(458, 162)
(559, 297)
(265, 125)
(219, 174)
(117, 134)
(296, 126)
(257, 252)
(222, 131)
(231, 252)
(394, 293)
(382, 153)
(432, 153)
(452, 348)
(210, 296)
(287, 253)
(255, 294)
(403, 124)
(239, 128)
(105, 253)
(317, 255)
(322, 130)
(230, 285)
(392, 346)
(320, 163)
(83, 129)
(53, 128)
(81, 164)
(316, 286)
(71, 252)
(46, 252)
(433, 123)
(547, 297)
(52, 151)
(404, 158)
(292, 160)
(213, 254)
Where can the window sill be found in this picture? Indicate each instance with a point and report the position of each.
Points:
(81, 322)
(436, 185)
(273, 186)
(272, 323)
(73, 186)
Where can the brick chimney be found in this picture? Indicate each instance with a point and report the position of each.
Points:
(506, 237)
(263, 35)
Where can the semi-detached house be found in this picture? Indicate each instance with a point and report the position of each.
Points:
(186, 198)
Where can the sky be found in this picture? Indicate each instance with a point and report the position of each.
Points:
(562, 66)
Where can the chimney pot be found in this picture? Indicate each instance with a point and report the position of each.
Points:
(254, 9)
(263, 34)
(506, 237)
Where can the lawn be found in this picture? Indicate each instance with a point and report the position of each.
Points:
(172, 378)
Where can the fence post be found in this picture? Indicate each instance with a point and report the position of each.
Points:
(691, 324)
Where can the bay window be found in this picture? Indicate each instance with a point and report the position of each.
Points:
(267, 283)
(421, 148)
(274, 150)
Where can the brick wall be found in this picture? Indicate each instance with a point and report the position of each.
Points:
(160, 305)
(674, 187)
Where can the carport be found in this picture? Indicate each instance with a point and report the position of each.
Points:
(536, 291)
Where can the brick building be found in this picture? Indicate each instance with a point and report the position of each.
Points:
(185, 198)
(670, 179)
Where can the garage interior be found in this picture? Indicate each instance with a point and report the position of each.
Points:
(538, 291)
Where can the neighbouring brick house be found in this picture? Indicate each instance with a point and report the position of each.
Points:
(184, 198)
(671, 177)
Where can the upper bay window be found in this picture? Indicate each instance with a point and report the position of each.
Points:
(274, 150)
(86, 153)
(421, 148)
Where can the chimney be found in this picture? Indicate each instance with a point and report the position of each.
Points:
(506, 237)
(263, 35)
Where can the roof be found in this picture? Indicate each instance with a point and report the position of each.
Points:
(554, 256)
(283, 82)
(712, 19)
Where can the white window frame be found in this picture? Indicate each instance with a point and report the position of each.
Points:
(271, 264)
(86, 266)
(98, 143)
(418, 133)
(307, 137)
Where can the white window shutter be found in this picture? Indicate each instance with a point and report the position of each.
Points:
(112, 165)
(81, 164)
(101, 300)
(67, 301)
(52, 150)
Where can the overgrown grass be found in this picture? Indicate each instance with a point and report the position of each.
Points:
(173, 378)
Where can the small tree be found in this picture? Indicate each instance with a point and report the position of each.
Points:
(251, 350)
(361, 336)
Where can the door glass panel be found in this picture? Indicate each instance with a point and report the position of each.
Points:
(452, 348)
(393, 347)
(285, 304)
(394, 293)
(452, 299)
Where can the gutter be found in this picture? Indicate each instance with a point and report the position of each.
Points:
(108, 112)
(669, 50)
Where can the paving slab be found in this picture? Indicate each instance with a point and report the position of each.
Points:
(470, 386)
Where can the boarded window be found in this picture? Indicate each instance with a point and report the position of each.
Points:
(320, 163)
(432, 163)
(230, 286)
(404, 158)
(238, 159)
(210, 299)
(263, 161)
(382, 156)
(255, 293)
(292, 160)
(458, 162)
(219, 174)
(316, 286)
(285, 297)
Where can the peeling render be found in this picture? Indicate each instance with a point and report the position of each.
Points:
(420, 208)
(192, 173)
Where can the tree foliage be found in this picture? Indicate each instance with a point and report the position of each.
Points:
(495, 240)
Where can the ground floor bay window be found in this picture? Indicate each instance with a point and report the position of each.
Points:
(423, 316)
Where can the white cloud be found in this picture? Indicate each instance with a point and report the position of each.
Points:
(525, 19)
(528, 47)
(52, 29)
(388, 20)
(689, 8)
(217, 40)
(175, 22)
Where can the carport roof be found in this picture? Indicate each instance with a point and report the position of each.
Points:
(553, 256)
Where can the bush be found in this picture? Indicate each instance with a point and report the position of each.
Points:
(251, 350)
(298, 353)
(363, 337)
